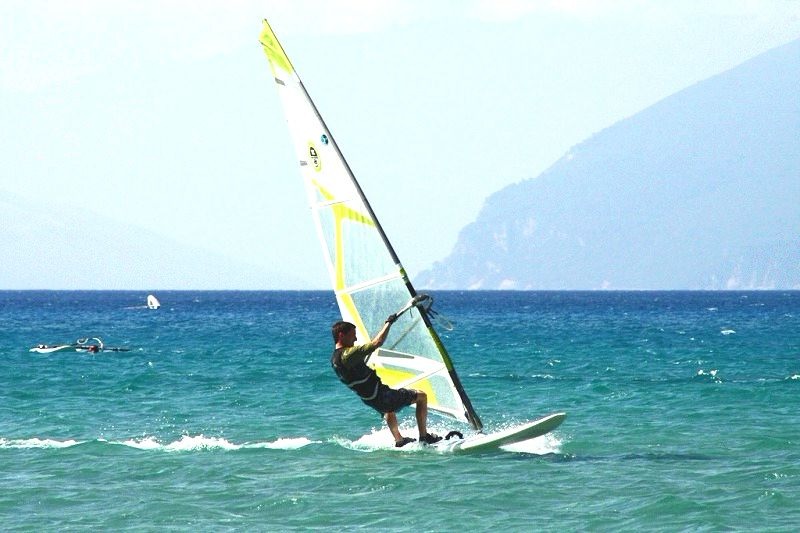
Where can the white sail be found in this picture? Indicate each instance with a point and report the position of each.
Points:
(367, 277)
(152, 302)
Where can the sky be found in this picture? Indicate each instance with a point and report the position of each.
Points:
(162, 114)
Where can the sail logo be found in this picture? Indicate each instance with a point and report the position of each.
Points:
(313, 155)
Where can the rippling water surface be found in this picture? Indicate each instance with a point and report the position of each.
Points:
(683, 414)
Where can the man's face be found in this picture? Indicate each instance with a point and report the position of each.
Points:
(349, 337)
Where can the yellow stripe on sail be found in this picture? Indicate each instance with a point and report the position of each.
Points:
(340, 211)
(340, 214)
(277, 57)
(346, 301)
(392, 377)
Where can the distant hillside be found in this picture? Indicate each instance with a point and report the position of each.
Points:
(699, 191)
(63, 247)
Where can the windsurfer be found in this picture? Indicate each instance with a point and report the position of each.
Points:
(349, 363)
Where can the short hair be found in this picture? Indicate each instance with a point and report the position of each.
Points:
(341, 327)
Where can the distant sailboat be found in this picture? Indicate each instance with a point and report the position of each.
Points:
(152, 302)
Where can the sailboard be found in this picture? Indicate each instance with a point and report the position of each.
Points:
(504, 437)
(152, 302)
(88, 344)
(368, 278)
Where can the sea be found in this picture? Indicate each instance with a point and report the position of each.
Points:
(683, 414)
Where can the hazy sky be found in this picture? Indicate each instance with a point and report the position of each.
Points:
(162, 114)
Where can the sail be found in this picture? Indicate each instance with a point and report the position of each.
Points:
(152, 302)
(368, 278)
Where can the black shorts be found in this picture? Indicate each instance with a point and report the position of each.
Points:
(391, 400)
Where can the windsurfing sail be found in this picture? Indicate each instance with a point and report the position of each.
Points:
(368, 279)
(152, 302)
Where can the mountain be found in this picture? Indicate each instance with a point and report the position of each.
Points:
(71, 247)
(699, 191)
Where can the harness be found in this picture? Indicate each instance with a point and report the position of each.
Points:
(360, 378)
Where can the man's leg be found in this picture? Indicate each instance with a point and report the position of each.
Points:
(391, 421)
(422, 414)
(422, 419)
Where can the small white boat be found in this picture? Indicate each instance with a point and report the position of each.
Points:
(152, 302)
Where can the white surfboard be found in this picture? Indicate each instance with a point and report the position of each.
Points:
(512, 435)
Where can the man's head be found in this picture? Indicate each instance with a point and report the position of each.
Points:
(341, 328)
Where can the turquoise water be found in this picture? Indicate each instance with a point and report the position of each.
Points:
(225, 416)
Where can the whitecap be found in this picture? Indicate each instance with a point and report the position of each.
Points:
(186, 443)
(382, 439)
(147, 443)
(712, 373)
(375, 440)
(282, 444)
(37, 443)
(201, 442)
(543, 445)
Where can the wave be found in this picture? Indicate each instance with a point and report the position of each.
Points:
(185, 443)
(374, 441)
(545, 445)
(201, 442)
(37, 443)
(710, 375)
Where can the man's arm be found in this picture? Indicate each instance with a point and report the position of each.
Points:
(380, 338)
(365, 350)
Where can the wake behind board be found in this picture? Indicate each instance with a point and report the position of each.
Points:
(492, 441)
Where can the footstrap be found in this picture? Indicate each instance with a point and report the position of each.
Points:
(402, 442)
(453, 434)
